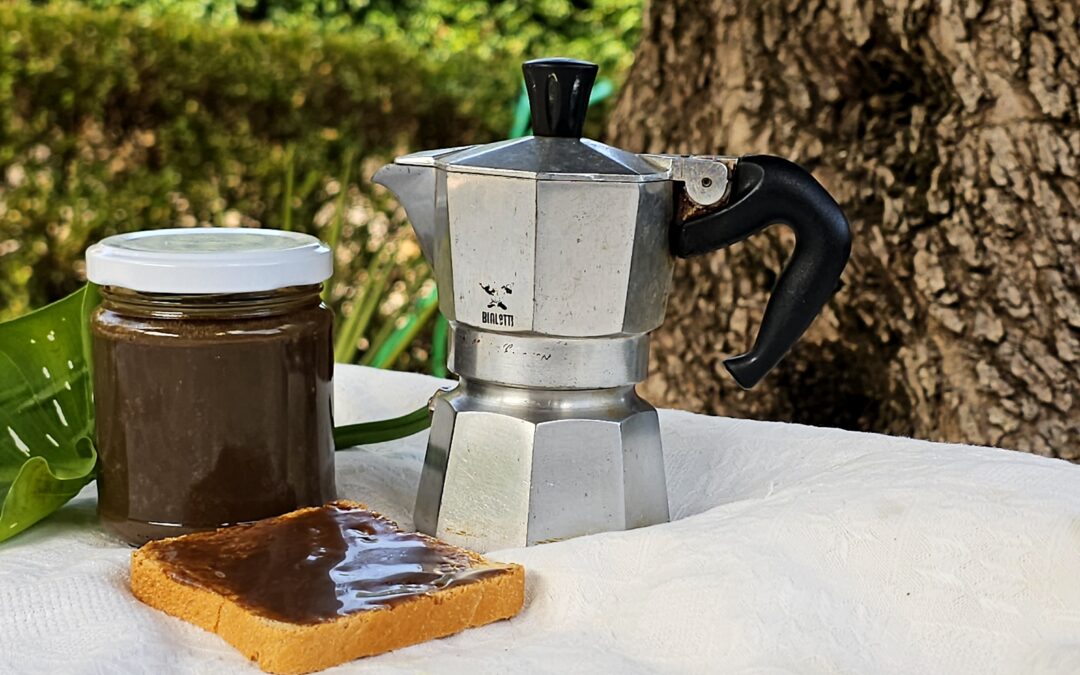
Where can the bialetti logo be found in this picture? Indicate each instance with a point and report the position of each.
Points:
(497, 301)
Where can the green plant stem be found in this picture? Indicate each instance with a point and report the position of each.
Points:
(367, 300)
(522, 115)
(440, 333)
(333, 237)
(390, 325)
(383, 430)
(381, 336)
(286, 202)
(388, 353)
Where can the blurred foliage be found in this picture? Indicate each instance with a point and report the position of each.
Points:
(119, 116)
(494, 31)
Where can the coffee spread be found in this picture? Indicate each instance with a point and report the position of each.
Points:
(208, 417)
(319, 564)
(212, 364)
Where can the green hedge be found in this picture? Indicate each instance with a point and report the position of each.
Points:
(603, 31)
(114, 121)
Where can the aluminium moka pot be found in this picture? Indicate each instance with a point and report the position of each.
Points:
(553, 256)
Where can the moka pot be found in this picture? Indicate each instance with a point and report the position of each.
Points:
(553, 256)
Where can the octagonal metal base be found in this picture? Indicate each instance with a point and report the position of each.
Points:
(509, 467)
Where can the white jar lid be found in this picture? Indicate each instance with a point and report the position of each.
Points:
(208, 260)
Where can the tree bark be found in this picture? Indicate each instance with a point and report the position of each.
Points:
(950, 133)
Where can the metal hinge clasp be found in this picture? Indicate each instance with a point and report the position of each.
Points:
(706, 177)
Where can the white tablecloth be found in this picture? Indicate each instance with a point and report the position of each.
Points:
(793, 549)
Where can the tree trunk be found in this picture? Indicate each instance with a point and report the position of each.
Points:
(950, 134)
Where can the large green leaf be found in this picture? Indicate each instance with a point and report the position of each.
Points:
(46, 411)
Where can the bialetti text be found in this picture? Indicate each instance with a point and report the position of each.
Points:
(496, 319)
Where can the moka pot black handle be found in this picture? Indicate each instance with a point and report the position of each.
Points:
(769, 190)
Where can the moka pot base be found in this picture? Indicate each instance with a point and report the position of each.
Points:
(543, 439)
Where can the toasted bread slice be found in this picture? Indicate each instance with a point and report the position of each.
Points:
(320, 586)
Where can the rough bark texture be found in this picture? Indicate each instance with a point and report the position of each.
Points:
(950, 133)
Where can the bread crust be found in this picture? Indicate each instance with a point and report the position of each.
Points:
(292, 648)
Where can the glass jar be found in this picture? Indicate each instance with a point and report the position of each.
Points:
(213, 365)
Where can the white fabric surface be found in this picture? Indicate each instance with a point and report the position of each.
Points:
(793, 549)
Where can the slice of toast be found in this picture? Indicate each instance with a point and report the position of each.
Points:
(324, 585)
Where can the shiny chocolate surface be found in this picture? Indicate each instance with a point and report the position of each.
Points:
(319, 564)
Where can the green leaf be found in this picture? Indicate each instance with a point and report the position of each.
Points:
(46, 411)
(366, 433)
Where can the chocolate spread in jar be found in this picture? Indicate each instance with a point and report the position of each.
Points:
(207, 416)
(319, 564)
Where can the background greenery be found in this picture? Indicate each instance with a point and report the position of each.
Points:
(119, 116)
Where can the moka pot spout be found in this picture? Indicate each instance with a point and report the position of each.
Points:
(414, 187)
(420, 187)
